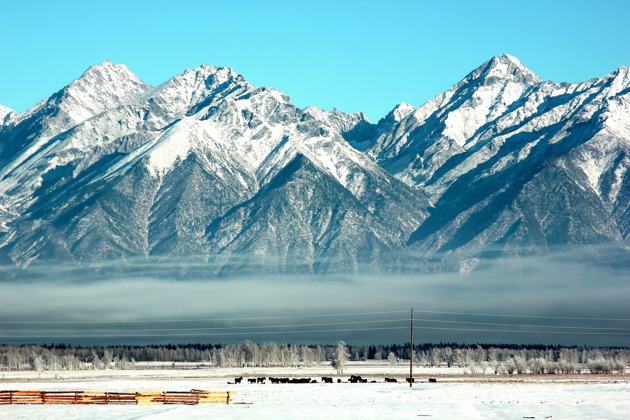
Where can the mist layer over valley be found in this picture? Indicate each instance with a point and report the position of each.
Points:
(561, 298)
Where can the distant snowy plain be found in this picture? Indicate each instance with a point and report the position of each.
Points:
(455, 395)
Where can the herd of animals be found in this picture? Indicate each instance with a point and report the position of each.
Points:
(328, 380)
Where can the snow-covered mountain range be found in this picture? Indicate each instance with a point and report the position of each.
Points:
(207, 165)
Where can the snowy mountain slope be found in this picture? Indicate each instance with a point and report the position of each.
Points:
(5, 114)
(151, 175)
(513, 164)
(100, 88)
(207, 166)
(118, 131)
(301, 218)
(412, 144)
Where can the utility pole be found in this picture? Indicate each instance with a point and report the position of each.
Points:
(411, 353)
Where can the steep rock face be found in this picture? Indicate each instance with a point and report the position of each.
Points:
(514, 165)
(301, 218)
(157, 174)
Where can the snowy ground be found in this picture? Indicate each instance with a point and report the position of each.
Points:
(455, 395)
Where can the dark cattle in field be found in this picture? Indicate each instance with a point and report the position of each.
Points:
(300, 381)
(338, 381)
(327, 380)
(252, 380)
(411, 380)
(432, 380)
(391, 380)
(260, 380)
(238, 380)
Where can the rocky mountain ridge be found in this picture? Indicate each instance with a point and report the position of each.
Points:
(515, 164)
(207, 165)
(158, 173)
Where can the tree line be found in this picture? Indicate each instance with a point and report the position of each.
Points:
(479, 358)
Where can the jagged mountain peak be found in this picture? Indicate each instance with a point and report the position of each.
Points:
(504, 67)
(212, 75)
(217, 74)
(400, 112)
(99, 88)
(108, 70)
(344, 121)
(620, 79)
(106, 83)
(190, 90)
(5, 114)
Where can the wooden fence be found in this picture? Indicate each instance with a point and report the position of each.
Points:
(139, 398)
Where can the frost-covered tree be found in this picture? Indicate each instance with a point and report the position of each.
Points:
(569, 355)
(508, 366)
(269, 354)
(294, 357)
(422, 358)
(320, 355)
(436, 356)
(538, 366)
(479, 355)
(108, 358)
(460, 358)
(392, 359)
(448, 356)
(520, 365)
(97, 363)
(340, 358)
(484, 366)
(493, 355)
(51, 361)
(70, 362)
(308, 356)
(37, 363)
(248, 352)
(600, 365)
(219, 357)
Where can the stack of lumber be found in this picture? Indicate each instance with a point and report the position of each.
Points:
(88, 397)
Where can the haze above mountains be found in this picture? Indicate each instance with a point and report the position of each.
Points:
(209, 175)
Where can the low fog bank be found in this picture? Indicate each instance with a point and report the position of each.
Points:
(524, 300)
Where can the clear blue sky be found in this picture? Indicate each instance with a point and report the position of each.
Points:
(359, 55)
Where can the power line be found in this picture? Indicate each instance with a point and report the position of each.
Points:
(209, 334)
(522, 331)
(140, 321)
(201, 319)
(525, 316)
(325, 324)
(257, 329)
(75, 335)
(218, 328)
(521, 325)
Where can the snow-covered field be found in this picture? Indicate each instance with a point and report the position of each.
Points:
(454, 395)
